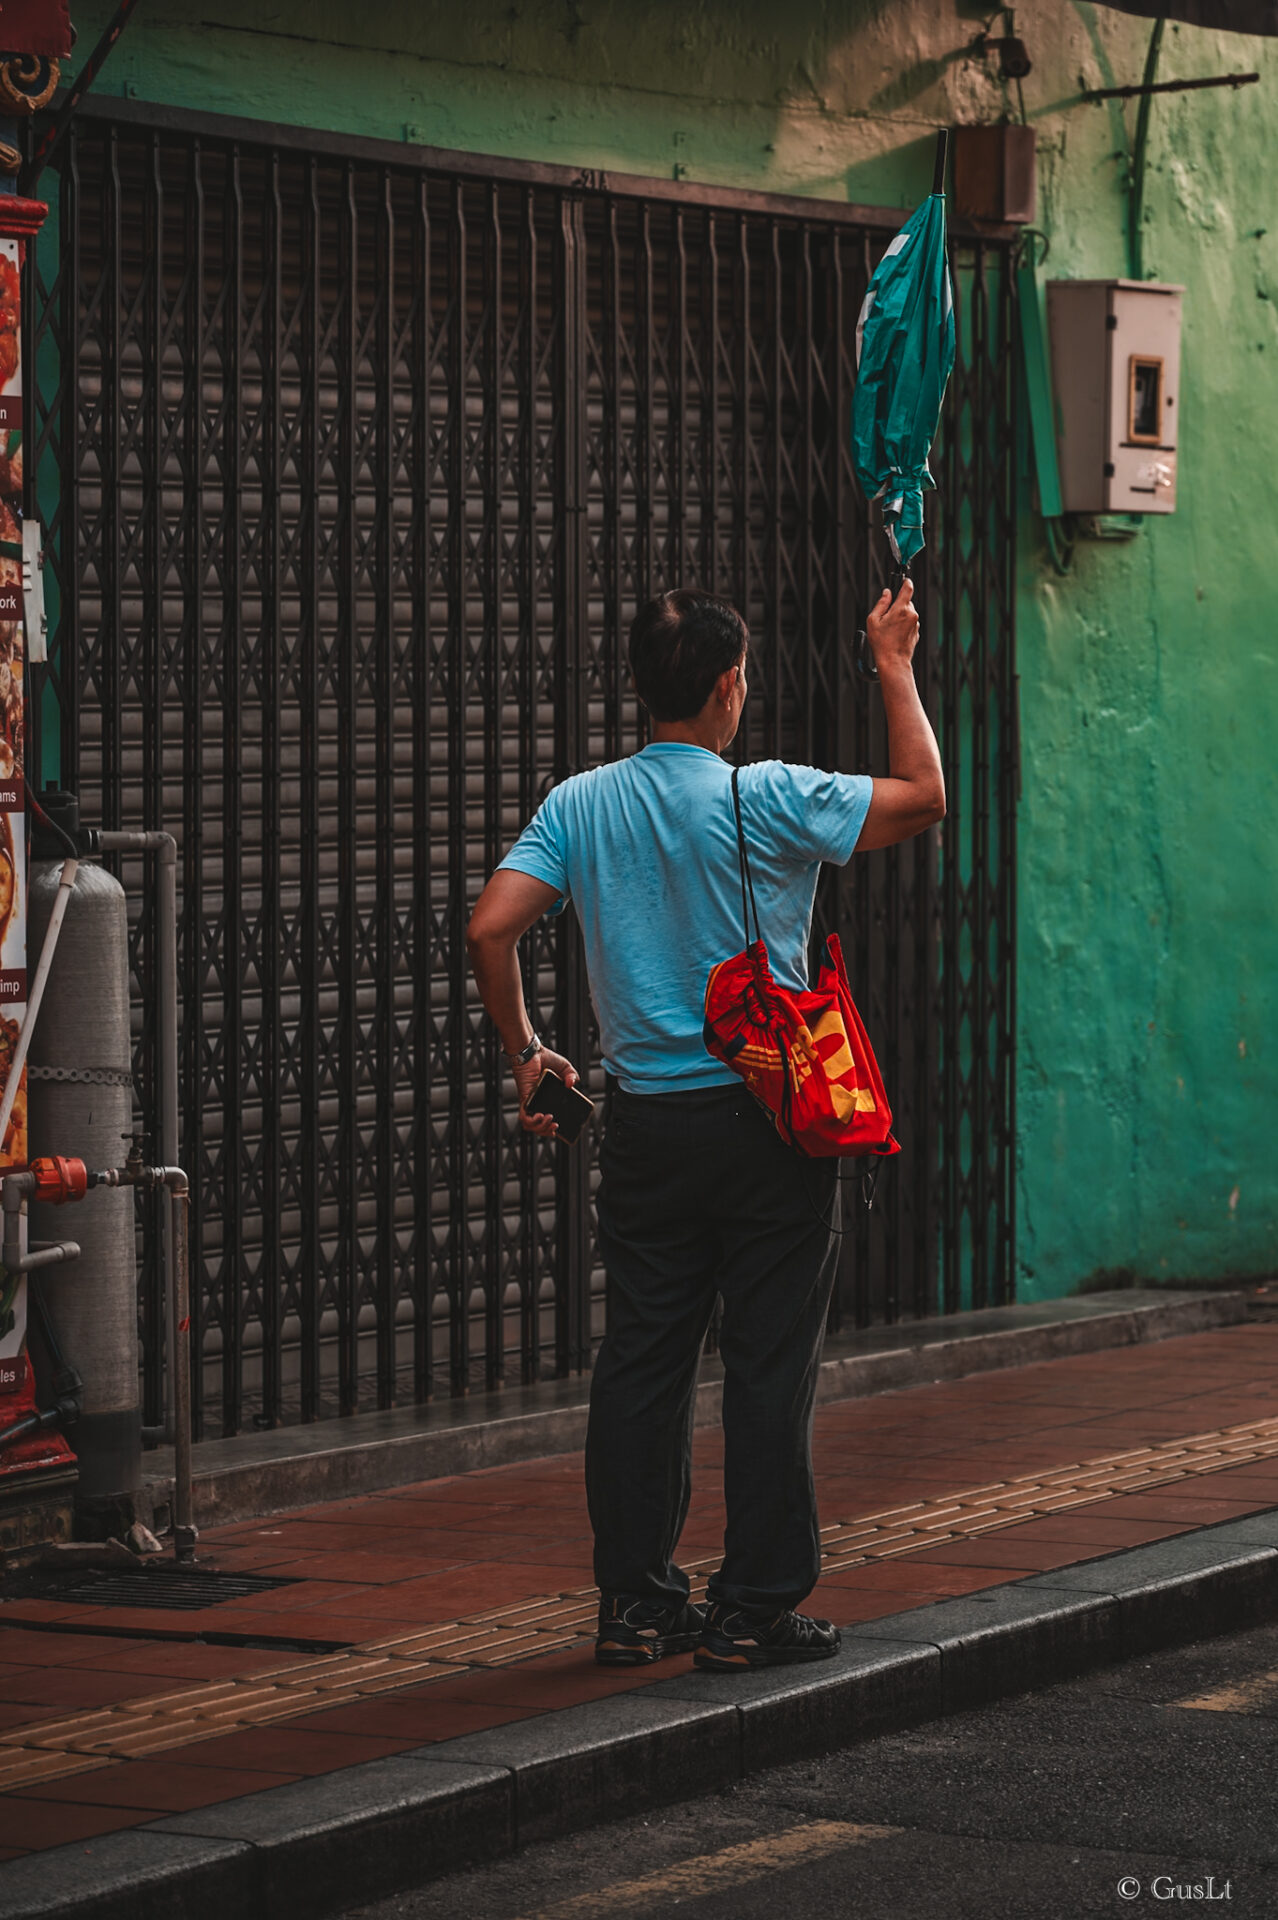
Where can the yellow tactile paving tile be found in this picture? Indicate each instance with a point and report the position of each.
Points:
(709, 1874)
(60, 1733)
(52, 1749)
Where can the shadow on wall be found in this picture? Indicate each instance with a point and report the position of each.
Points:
(836, 98)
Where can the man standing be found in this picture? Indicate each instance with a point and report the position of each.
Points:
(699, 1196)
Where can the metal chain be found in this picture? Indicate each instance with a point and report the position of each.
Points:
(94, 1076)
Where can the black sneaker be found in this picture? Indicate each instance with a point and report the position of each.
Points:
(632, 1632)
(734, 1638)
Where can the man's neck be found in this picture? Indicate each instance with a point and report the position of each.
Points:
(687, 733)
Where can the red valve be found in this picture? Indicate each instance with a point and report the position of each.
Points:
(58, 1180)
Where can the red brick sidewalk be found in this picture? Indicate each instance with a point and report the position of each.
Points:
(79, 1685)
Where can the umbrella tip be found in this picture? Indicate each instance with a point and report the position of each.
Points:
(938, 171)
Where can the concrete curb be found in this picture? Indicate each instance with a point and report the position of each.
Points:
(254, 1474)
(320, 1846)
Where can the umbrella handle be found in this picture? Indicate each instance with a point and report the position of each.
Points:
(863, 654)
(938, 167)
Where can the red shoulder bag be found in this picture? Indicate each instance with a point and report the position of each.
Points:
(805, 1057)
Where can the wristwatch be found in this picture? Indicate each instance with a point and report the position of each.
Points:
(522, 1059)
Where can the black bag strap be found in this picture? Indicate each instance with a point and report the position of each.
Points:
(747, 883)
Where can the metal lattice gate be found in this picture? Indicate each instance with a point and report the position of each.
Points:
(355, 462)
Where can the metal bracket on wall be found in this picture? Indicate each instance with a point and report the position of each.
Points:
(1234, 80)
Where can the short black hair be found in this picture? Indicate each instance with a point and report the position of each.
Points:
(679, 645)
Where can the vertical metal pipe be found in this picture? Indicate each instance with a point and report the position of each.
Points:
(741, 584)
(166, 922)
(271, 463)
(774, 615)
(850, 1264)
(608, 480)
(153, 648)
(383, 679)
(345, 642)
(679, 564)
(947, 615)
(419, 656)
(922, 1184)
(311, 959)
(1009, 795)
(578, 1024)
(650, 576)
(1139, 155)
(193, 679)
(488, 360)
(705, 345)
(455, 646)
(717, 576)
(525, 358)
(184, 1531)
(129, 1179)
(111, 639)
(573, 1297)
(807, 637)
(67, 649)
(978, 902)
(234, 1302)
(164, 846)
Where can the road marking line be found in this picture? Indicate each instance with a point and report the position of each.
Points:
(46, 1749)
(713, 1872)
(1246, 1696)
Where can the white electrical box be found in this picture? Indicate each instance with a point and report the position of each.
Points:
(1115, 348)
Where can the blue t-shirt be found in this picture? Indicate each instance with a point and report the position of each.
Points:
(646, 849)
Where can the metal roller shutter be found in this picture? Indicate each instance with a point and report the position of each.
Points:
(356, 463)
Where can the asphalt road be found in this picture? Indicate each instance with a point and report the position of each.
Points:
(1148, 1788)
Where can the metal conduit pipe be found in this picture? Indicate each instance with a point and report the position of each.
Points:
(134, 1174)
(34, 1423)
(108, 840)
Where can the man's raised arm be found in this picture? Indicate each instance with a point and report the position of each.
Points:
(912, 798)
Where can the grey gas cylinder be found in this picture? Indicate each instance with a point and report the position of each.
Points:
(83, 1028)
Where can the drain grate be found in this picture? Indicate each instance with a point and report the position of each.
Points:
(187, 1589)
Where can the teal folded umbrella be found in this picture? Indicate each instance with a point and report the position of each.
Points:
(905, 350)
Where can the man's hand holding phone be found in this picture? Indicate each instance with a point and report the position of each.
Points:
(567, 1109)
(527, 1079)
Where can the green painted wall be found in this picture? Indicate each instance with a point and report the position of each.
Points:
(1149, 857)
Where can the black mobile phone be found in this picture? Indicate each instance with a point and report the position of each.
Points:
(569, 1109)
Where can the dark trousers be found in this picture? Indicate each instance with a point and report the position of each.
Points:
(700, 1197)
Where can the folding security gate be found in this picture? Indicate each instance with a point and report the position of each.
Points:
(355, 462)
